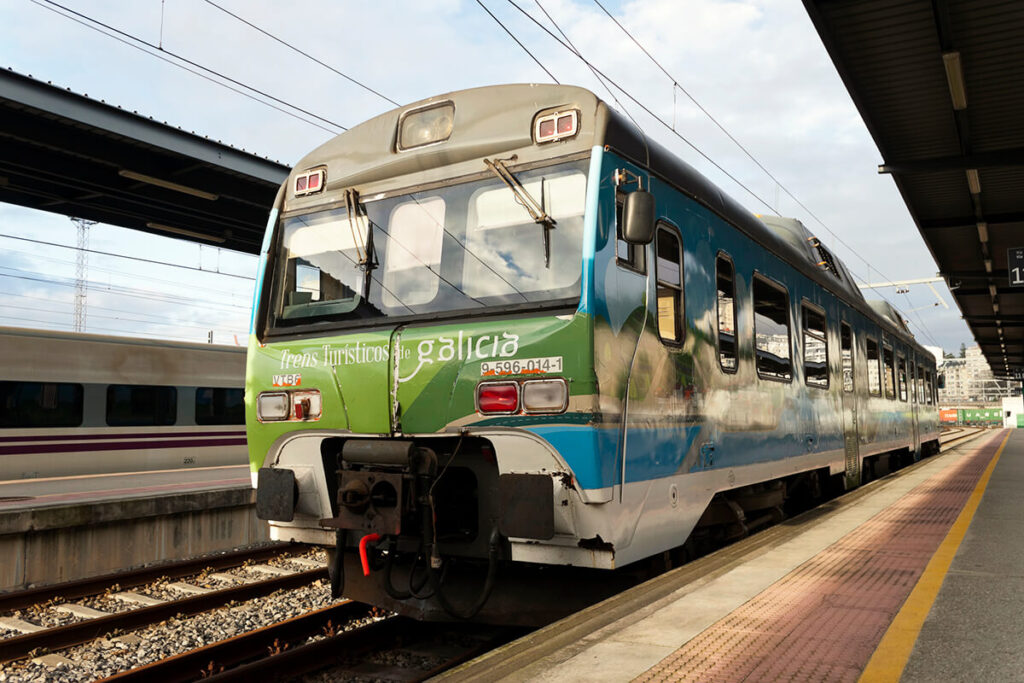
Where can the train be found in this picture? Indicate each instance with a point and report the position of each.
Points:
(82, 404)
(508, 353)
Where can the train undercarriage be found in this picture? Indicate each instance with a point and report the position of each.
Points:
(425, 528)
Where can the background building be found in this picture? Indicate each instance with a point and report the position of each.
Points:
(970, 380)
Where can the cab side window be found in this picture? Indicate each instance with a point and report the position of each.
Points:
(669, 271)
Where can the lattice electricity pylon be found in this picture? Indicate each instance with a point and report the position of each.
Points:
(81, 262)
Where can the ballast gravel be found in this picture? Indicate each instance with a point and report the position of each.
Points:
(111, 654)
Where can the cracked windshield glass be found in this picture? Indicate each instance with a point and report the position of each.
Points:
(460, 247)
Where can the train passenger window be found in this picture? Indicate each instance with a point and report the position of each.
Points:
(815, 348)
(726, 313)
(912, 379)
(771, 330)
(928, 386)
(846, 346)
(220, 406)
(874, 377)
(136, 405)
(889, 372)
(26, 405)
(901, 367)
(668, 268)
(632, 256)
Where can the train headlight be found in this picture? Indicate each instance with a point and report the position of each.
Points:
(426, 126)
(273, 406)
(545, 396)
(497, 398)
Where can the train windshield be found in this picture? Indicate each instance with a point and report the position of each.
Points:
(467, 246)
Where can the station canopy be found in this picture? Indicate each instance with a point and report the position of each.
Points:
(69, 154)
(940, 85)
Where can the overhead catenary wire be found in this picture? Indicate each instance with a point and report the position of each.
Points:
(116, 290)
(642, 106)
(600, 80)
(247, 293)
(138, 259)
(5, 306)
(243, 317)
(94, 24)
(301, 52)
(672, 129)
(513, 37)
(778, 183)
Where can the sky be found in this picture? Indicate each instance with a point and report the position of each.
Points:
(756, 66)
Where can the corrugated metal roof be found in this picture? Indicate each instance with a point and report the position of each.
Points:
(69, 154)
(890, 55)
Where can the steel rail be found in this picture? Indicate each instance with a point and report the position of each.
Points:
(212, 659)
(80, 632)
(81, 588)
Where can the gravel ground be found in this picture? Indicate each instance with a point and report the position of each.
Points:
(107, 656)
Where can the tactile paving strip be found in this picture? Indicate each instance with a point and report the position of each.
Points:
(823, 621)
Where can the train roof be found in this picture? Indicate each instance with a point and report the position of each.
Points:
(498, 121)
(52, 356)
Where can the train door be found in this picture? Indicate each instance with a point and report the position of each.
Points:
(915, 406)
(851, 442)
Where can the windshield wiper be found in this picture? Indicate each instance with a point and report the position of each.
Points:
(526, 200)
(367, 254)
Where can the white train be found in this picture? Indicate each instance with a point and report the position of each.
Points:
(74, 404)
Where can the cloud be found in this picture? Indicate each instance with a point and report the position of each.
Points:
(757, 66)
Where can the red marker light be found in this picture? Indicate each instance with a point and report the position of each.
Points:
(565, 124)
(300, 183)
(314, 181)
(546, 129)
(498, 397)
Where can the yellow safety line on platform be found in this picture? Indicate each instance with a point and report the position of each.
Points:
(894, 650)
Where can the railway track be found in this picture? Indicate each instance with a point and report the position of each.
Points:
(387, 649)
(91, 623)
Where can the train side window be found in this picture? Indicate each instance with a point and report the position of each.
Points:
(771, 330)
(912, 380)
(26, 405)
(919, 383)
(902, 367)
(846, 348)
(220, 406)
(726, 278)
(815, 347)
(889, 373)
(874, 377)
(632, 256)
(928, 386)
(137, 405)
(668, 269)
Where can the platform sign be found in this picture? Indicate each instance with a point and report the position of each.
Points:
(1015, 265)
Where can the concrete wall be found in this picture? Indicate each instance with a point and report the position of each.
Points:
(62, 543)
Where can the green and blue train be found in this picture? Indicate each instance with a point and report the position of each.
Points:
(507, 349)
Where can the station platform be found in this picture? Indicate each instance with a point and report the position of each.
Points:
(66, 528)
(915, 577)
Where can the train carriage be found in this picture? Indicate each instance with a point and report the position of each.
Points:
(502, 328)
(79, 404)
